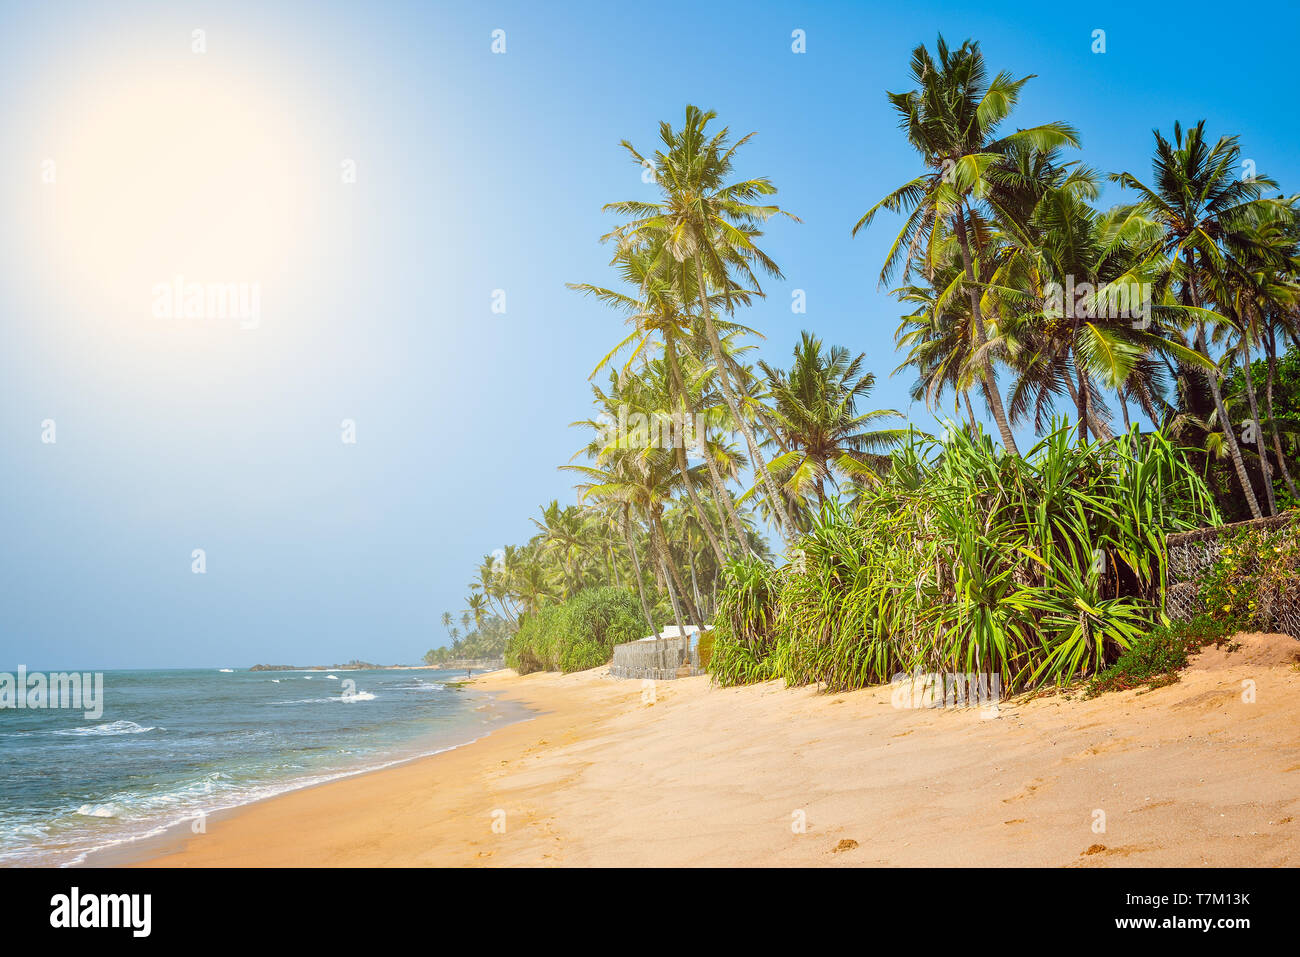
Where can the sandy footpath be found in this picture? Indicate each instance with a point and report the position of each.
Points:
(1190, 774)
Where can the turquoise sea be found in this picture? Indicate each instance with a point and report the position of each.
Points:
(171, 745)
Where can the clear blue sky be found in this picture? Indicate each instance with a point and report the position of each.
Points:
(475, 172)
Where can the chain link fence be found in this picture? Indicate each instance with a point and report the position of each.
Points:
(1192, 554)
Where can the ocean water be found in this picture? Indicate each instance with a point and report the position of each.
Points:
(171, 745)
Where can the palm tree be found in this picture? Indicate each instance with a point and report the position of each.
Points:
(950, 119)
(815, 407)
(561, 529)
(703, 232)
(938, 339)
(478, 607)
(644, 477)
(491, 579)
(1071, 346)
(1201, 201)
(657, 311)
(1257, 289)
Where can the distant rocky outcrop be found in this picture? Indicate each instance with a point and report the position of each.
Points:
(350, 666)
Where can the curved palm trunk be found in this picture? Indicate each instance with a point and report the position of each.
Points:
(1233, 449)
(636, 567)
(695, 582)
(1224, 422)
(723, 528)
(506, 610)
(665, 566)
(613, 563)
(675, 578)
(1265, 467)
(1270, 347)
(725, 505)
(679, 448)
(672, 598)
(729, 395)
(1082, 403)
(1100, 430)
(982, 338)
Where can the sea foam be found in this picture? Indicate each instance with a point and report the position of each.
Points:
(112, 727)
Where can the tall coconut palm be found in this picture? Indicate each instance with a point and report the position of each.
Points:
(815, 405)
(1107, 336)
(1256, 287)
(951, 119)
(660, 314)
(703, 231)
(938, 341)
(476, 607)
(630, 469)
(1200, 198)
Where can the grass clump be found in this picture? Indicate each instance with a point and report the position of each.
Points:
(745, 627)
(1156, 657)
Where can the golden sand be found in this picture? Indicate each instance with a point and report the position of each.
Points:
(1196, 773)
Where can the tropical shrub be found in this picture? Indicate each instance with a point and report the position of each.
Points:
(1157, 656)
(745, 626)
(580, 633)
(594, 621)
(528, 649)
(962, 558)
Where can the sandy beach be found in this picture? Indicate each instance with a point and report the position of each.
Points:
(1191, 774)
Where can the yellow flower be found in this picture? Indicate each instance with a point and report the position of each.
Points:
(1227, 551)
(1227, 608)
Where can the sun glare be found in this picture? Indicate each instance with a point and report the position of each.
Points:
(198, 176)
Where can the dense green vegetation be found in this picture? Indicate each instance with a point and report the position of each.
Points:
(484, 636)
(1021, 301)
(580, 633)
(962, 558)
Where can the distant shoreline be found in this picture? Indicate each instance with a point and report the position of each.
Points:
(352, 667)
